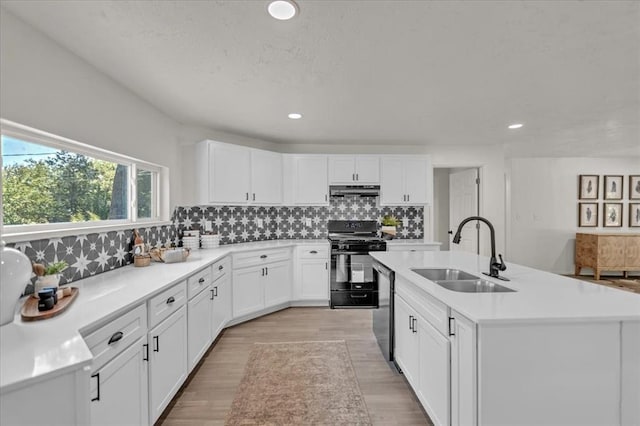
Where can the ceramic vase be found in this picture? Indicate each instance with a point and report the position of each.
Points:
(15, 272)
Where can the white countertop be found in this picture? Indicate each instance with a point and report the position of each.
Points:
(34, 350)
(539, 296)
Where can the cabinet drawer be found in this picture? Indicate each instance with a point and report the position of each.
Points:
(199, 281)
(260, 257)
(166, 303)
(112, 338)
(433, 310)
(220, 269)
(313, 252)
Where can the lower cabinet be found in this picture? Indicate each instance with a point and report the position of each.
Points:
(261, 280)
(439, 368)
(221, 311)
(312, 274)
(167, 361)
(199, 325)
(119, 388)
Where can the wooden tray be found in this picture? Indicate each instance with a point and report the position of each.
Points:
(30, 312)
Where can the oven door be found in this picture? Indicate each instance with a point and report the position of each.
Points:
(352, 271)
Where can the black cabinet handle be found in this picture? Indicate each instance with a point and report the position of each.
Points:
(357, 177)
(247, 196)
(313, 252)
(201, 280)
(263, 272)
(116, 336)
(212, 295)
(415, 329)
(254, 196)
(326, 266)
(353, 176)
(325, 197)
(451, 326)
(266, 271)
(171, 300)
(408, 197)
(220, 268)
(215, 291)
(156, 339)
(97, 376)
(145, 357)
(354, 296)
(411, 322)
(264, 256)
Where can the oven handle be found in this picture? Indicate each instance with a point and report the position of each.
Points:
(349, 252)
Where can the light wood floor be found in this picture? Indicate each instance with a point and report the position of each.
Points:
(206, 398)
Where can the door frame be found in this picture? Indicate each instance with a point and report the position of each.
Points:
(480, 170)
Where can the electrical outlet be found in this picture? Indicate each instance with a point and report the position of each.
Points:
(208, 226)
(405, 222)
(260, 222)
(307, 221)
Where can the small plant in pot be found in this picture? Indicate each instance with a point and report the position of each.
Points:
(48, 276)
(389, 224)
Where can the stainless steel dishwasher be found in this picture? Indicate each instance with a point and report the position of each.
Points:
(383, 316)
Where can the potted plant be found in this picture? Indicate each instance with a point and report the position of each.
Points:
(48, 276)
(389, 224)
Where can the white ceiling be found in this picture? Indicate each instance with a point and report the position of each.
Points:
(374, 72)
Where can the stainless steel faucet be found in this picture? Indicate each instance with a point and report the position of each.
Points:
(494, 266)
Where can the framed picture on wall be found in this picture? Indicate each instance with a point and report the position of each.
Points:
(613, 187)
(634, 215)
(588, 187)
(612, 215)
(587, 214)
(634, 187)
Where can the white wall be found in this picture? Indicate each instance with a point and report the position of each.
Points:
(49, 88)
(441, 207)
(544, 207)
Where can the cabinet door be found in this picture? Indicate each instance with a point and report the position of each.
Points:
(342, 170)
(406, 344)
(277, 283)
(433, 390)
(314, 279)
(367, 170)
(199, 325)
(123, 395)
(248, 291)
(266, 177)
(463, 372)
(229, 174)
(416, 172)
(392, 190)
(168, 361)
(221, 313)
(311, 185)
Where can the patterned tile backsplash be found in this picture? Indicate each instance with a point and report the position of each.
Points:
(238, 224)
(95, 253)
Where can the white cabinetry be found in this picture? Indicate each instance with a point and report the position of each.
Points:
(168, 364)
(236, 174)
(199, 324)
(306, 181)
(407, 348)
(119, 390)
(406, 180)
(261, 280)
(345, 169)
(312, 274)
(221, 293)
(463, 371)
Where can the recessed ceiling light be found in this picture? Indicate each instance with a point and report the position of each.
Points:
(515, 125)
(295, 116)
(283, 9)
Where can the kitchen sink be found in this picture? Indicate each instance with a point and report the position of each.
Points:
(473, 286)
(438, 274)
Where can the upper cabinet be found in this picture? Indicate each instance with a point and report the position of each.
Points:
(236, 174)
(306, 182)
(354, 170)
(405, 180)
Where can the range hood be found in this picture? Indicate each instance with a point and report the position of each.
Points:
(357, 190)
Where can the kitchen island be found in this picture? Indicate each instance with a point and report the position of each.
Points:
(554, 351)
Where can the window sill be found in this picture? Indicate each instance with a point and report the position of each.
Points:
(58, 233)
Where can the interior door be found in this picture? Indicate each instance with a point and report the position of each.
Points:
(463, 202)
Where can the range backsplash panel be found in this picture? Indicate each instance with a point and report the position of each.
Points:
(91, 254)
(238, 224)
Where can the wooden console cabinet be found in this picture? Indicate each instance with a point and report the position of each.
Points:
(607, 252)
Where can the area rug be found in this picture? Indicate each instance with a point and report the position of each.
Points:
(299, 383)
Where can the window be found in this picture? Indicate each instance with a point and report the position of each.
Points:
(52, 183)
